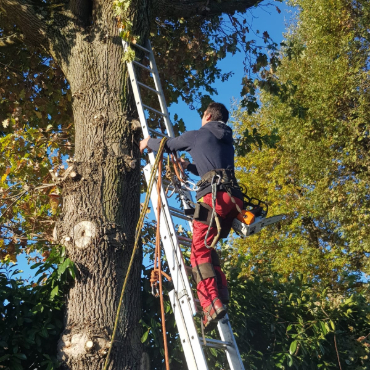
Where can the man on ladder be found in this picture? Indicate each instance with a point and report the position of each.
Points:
(219, 201)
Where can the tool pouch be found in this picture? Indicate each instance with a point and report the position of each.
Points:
(203, 213)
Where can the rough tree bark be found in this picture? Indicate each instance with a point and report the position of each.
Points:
(101, 194)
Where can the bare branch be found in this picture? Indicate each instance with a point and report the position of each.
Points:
(24, 16)
(188, 8)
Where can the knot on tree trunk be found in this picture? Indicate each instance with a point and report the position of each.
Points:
(74, 346)
(83, 234)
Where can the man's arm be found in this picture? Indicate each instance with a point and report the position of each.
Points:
(183, 142)
(189, 166)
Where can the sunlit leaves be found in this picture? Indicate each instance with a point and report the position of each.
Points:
(36, 131)
(317, 174)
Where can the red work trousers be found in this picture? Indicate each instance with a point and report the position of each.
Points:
(226, 209)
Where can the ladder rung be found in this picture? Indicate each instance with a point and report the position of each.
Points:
(183, 217)
(149, 88)
(215, 343)
(141, 47)
(142, 66)
(177, 210)
(154, 110)
(157, 133)
(184, 239)
(166, 183)
(186, 244)
(174, 212)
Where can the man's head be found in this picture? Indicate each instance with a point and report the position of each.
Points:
(215, 112)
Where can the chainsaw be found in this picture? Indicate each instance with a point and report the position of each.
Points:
(253, 217)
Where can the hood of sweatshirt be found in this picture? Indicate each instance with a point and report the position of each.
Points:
(220, 130)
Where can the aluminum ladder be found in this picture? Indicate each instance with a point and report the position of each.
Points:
(181, 297)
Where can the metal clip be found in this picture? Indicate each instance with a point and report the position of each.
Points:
(218, 181)
(193, 188)
(155, 291)
(172, 192)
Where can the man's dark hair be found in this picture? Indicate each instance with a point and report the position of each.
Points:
(218, 112)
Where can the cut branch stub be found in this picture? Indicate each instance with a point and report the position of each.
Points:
(83, 233)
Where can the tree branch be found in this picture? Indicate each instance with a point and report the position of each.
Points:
(24, 16)
(209, 8)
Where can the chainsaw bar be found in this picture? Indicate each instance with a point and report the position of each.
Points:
(245, 230)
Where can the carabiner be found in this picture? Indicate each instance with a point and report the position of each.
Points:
(218, 181)
(155, 291)
(193, 188)
(172, 193)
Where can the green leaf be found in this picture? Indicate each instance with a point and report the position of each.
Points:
(293, 347)
(3, 358)
(72, 272)
(54, 292)
(63, 266)
(36, 265)
(21, 356)
(144, 337)
(290, 360)
(323, 327)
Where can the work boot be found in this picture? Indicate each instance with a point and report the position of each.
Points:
(213, 313)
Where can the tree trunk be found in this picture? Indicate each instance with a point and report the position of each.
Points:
(101, 193)
(101, 198)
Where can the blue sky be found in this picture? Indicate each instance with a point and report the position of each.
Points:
(262, 18)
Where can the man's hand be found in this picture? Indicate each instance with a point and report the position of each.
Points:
(144, 144)
(184, 163)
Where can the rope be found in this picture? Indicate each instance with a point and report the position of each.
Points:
(139, 226)
(157, 271)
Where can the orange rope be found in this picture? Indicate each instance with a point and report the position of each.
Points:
(177, 166)
(157, 272)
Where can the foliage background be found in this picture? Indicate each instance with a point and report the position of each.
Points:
(299, 290)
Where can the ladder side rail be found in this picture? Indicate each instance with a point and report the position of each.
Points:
(164, 109)
(138, 101)
(161, 98)
(176, 248)
(171, 246)
(188, 334)
(232, 352)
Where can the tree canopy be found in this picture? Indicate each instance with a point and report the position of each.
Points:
(315, 113)
(299, 297)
